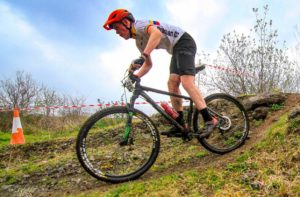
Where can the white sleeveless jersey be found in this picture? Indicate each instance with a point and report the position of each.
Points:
(170, 34)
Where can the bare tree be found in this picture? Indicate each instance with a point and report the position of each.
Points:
(20, 92)
(48, 97)
(73, 104)
(297, 56)
(256, 62)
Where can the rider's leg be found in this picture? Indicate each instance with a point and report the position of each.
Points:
(183, 64)
(184, 59)
(188, 83)
(173, 86)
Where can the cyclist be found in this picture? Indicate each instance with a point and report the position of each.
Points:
(150, 35)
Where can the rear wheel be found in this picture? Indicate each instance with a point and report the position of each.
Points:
(99, 150)
(233, 127)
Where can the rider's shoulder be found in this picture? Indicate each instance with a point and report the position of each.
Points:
(141, 26)
(141, 23)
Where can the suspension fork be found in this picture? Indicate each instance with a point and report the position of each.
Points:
(128, 126)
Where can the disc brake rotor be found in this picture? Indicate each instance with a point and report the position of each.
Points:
(226, 123)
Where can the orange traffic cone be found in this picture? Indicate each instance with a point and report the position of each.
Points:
(17, 131)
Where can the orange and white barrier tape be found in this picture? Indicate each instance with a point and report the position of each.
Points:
(72, 106)
(229, 70)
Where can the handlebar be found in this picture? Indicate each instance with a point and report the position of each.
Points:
(130, 81)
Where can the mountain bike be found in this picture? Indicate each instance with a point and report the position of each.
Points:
(121, 143)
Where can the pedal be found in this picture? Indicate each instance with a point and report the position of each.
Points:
(186, 137)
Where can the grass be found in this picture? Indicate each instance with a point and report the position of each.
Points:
(4, 139)
(17, 169)
(189, 183)
(40, 136)
(270, 168)
(257, 123)
(265, 170)
(276, 107)
(38, 128)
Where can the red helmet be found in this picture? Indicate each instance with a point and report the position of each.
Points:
(117, 16)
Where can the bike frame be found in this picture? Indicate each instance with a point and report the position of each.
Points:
(141, 91)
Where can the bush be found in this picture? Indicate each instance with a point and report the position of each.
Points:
(35, 123)
(6, 121)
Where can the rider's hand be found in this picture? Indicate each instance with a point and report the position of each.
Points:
(137, 63)
(134, 67)
(134, 78)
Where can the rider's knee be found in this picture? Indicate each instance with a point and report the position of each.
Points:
(186, 84)
(173, 83)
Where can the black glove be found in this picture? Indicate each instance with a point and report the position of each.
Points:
(139, 61)
(134, 78)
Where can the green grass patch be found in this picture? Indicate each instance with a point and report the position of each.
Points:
(294, 124)
(18, 169)
(243, 157)
(40, 136)
(175, 152)
(201, 154)
(137, 188)
(257, 123)
(187, 183)
(214, 179)
(279, 126)
(277, 106)
(276, 131)
(4, 139)
(241, 167)
(241, 164)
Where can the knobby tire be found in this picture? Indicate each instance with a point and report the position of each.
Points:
(222, 141)
(98, 148)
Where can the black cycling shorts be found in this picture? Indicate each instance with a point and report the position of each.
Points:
(183, 58)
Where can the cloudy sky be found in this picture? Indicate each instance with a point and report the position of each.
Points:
(62, 43)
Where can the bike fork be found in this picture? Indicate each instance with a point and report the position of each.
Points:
(128, 128)
(127, 131)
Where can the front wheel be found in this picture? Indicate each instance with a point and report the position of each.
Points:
(233, 127)
(100, 152)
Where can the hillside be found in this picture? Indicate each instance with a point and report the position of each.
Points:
(267, 165)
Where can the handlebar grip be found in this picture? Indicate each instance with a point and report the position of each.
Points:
(134, 78)
(139, 61)
(134, 68)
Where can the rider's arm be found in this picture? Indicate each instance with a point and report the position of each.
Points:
(145, 68)
(154, 39)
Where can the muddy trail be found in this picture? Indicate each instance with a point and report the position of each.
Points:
(55, 171)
